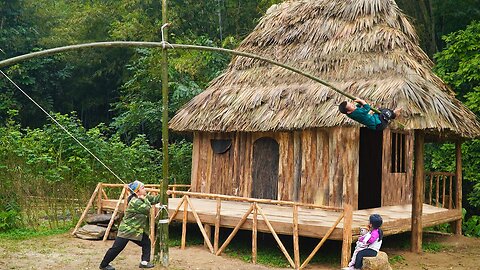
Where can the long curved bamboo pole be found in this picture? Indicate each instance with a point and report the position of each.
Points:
(133, 44)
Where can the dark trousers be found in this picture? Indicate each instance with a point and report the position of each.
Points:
(120, 243)
(361, 254)
(385, 118)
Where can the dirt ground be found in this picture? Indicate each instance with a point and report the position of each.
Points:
(66, 252)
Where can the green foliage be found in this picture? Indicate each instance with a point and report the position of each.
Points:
(26, 233)
(396, 259)
(9, 220)
(432, 247)
(180, 162)
(459, 63)
(471, 227)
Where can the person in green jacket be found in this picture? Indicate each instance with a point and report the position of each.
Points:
(134, 226)
(361, 113)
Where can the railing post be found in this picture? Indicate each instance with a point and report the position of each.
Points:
(347, 235)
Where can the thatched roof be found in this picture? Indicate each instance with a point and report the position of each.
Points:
(364, 47)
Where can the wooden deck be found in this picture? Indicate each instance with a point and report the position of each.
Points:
(312, 222)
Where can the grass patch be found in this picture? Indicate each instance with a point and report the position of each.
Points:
(268, 252)
(396, 259)
(432, 247)
(28, 233)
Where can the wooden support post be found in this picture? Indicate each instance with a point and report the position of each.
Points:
(417, 202)
(200, 225)
(153, 215)
(177, 209)
(450, 193)
(457, 225)
(319, 245)
(217, 226)
(184, 223)
(104, 194)
(99, 199)
(235, 230)
(279, 242)
(296, 249)
(125, 199)
(254, 233)
(347, 235)
(89, 204)
(208, 231)
(115, 211)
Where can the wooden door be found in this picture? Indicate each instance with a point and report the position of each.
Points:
(265, 169)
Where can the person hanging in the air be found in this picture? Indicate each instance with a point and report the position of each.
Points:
(361, 113)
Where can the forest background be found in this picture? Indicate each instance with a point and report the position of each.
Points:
(111, 98)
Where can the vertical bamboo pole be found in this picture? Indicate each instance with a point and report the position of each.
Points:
(296, 249)
(161, 247)
(254, 233)
(457, 225)
(417, 202)
(347, 235)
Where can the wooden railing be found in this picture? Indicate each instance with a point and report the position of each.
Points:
(440, 189)
(256, 209)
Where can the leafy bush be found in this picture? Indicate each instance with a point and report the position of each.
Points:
(9, 220)
(471, 227)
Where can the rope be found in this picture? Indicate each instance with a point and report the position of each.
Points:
(62, 127)
(165, 43)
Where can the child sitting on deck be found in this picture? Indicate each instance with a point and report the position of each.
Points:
(369, 245)
(360, 113)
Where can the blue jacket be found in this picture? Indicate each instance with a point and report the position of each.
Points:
(361, 115)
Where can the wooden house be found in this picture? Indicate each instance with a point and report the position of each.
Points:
(264, 132)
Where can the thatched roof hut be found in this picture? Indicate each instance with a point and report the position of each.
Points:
(364, 47)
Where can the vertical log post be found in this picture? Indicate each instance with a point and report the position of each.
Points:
(208, 233)
(347, 235)
(217, 226)
(457, 225)
(254, 233)
(184, 223)
(296, 249)
(153, 214)
(99, 199)
(417, 202)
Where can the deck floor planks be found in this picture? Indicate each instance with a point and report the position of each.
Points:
(312, 222)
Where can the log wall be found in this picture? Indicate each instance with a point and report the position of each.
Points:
(320, 165)
(397, 187)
